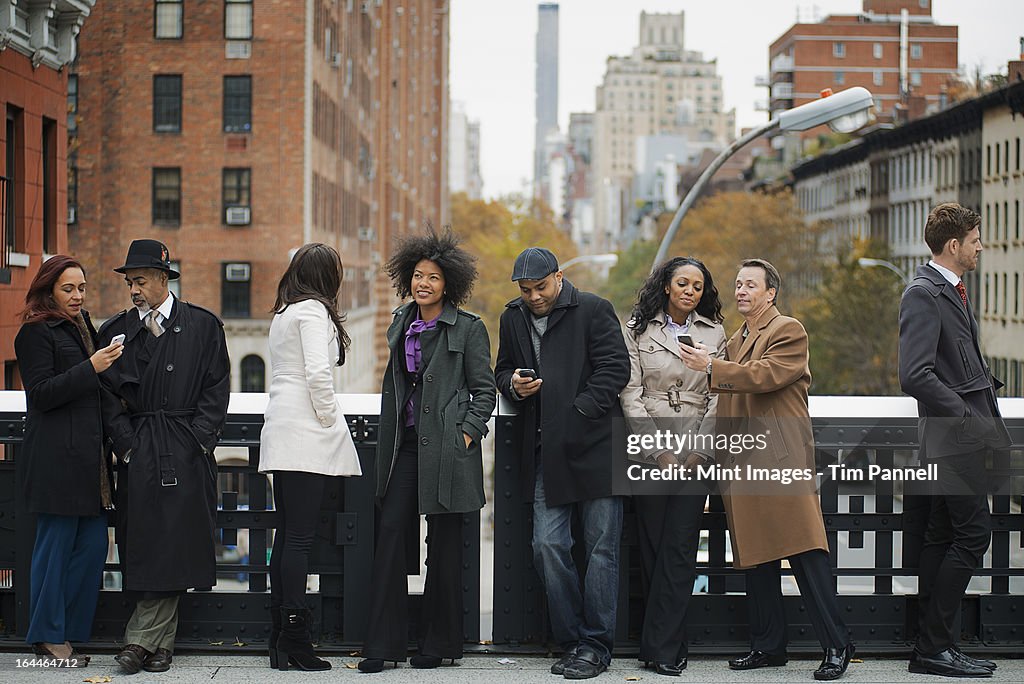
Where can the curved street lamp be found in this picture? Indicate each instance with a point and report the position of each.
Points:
(845, 112)
(608, 260)
(867, 262)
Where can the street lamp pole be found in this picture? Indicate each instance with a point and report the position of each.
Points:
(867, 262)
(845, 112)
(598, 259)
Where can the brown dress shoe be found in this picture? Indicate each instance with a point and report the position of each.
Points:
(131, 658)
(158, 662)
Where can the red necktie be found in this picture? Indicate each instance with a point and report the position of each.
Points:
(963, 292)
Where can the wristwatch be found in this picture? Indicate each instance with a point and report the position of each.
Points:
(708, 369)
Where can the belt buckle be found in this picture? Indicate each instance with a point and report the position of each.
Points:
(674, 399)
(173, 482)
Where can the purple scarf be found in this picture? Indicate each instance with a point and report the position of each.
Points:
(414, 358)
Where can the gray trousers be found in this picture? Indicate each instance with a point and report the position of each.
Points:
(153, 624)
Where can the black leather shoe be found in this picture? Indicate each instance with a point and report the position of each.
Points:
(158, 662)
(131, 658)
(946, 664)
(372, 665)
(670, 669)
(585, 665)
(559, 667)
(756, 659)
(835, 662)
(428, 662)
(987, 664)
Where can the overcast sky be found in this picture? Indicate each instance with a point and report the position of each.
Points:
(492, 57)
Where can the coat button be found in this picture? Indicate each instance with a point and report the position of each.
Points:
(650, 348)
(177, 328)
(170, 367)
(426, 409)
(430, 378)
(424, 441)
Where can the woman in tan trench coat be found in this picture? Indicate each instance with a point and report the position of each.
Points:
(763, 383)
(679, 297)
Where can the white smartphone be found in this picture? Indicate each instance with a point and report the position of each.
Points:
(117, 339)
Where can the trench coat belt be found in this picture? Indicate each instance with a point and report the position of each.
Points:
(167, 476)
(677, 397)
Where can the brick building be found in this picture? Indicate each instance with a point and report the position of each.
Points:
(37, 40)
(237, 131)
(905, 60)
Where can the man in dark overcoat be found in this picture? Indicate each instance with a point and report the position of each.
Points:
(941, 366)
(573, 341)
(173, 382)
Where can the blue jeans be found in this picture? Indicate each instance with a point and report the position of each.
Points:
(584, 615)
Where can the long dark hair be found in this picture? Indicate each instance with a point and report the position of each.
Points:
(39, 302)
(652, 300)
(458, 265)
(315, 272)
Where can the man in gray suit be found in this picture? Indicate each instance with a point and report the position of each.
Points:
(942, 367)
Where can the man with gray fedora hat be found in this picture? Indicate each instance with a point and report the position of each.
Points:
(173, 382)
(572, 342)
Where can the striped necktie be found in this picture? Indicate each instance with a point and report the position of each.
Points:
(153, 325)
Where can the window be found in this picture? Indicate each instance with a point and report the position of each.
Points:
(878, 78)
(167, 196)
(49, 145)
(234, 290)
(915, 78)
(238, 19)
(11, 171)
(915, 51)
(72, 103)
(839, 49)
(253, 374)
(167, 104)
(877, 51)
(175, 285)
(235, 192)
(167, 19)
(237, 104)
(840, 78)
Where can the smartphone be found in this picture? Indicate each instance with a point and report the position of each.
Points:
(685, 339)
(528, 373)
(117, 339)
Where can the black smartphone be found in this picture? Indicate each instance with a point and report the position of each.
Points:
(685, 339)
(528, 373)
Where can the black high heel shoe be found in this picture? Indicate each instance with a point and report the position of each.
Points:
(372, 665)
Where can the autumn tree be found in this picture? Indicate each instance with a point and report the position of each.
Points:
(496, 232)
(721, 231)
(852, 324)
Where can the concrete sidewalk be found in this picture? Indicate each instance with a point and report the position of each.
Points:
(475, 669)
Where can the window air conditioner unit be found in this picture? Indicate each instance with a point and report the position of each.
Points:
(238, 49)
(236, 273)
(237, 216)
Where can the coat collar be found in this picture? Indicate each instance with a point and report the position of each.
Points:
(405, 314)
(741, 346)
(658, 331)
(948, 291)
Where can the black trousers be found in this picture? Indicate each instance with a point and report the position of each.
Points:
(297, 497)
(440, 626)
(668, 528)
(766, 611)
(958, 535)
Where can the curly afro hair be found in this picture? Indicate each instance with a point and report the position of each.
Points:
(652, 301)
(458, 265)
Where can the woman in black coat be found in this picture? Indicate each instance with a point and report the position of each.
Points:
(436, 398)
(68, 479)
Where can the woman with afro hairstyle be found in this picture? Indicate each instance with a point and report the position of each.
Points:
(436, 398)
(678, 299)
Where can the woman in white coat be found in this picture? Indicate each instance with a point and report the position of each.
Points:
(305, 437)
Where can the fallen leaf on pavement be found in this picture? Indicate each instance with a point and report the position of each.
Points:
(98, 679)
(506, 661)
